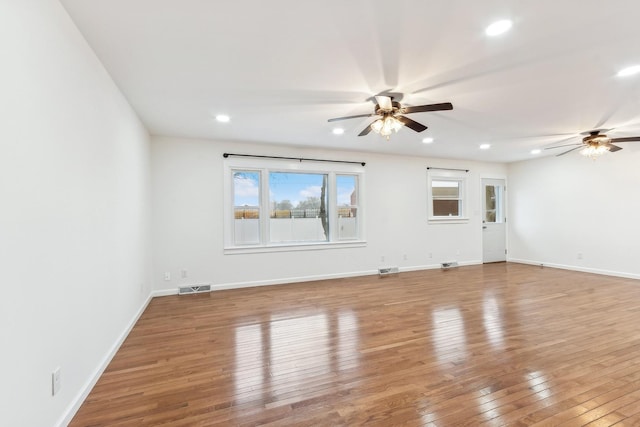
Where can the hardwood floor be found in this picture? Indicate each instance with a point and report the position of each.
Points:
(498, 344)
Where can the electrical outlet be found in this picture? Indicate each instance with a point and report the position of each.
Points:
(430, 255)
(183, 273)
(56, 381)
(405, 257)
(382, 258)
(167, 276)
(579, 255)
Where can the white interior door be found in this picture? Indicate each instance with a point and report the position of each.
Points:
(494, 236)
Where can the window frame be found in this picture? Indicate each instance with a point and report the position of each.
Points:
(448, 176)
(264, 167)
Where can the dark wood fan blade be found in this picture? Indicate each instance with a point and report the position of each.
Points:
(351, 117)
(628, 139)
(425, 108)
(613, 148)
(565, 145)
(365, 131)
(411, 124)
(566, 152)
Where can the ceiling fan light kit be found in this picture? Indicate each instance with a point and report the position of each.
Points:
(386, 125)
(595, 144)
(593, 151)
(392, 116)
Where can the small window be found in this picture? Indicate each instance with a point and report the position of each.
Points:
(446, 198)
(446, 195)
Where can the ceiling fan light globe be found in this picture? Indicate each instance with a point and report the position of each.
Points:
(396, 124)
(377, 126)
(387, 127)
(594, 150)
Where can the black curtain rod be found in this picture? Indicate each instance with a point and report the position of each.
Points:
(449, 169)
(225, 155)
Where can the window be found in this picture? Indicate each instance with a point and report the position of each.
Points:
(278, 203)
(298, 203)
(447, 197)
(246, 207)
(347, 206)
(493, 203)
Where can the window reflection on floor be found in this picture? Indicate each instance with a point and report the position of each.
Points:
(348, 340)
(249, 373)
(284, 354)
(490, 407)
(299, 349)
(449, 339)
(492, 320)
(539, 384)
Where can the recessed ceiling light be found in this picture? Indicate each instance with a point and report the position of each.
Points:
(498, 28)
(536, 151)
(427, 140)
(629, 71)
(223, 118)
(338, 131)
(485, 146)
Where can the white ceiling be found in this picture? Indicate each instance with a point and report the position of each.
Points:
(281, 68)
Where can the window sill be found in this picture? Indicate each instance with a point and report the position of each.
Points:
(448, 220)
(292, 247)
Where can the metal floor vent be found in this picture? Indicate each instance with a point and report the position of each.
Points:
(387, 270)
(448, 265)
(195, 289)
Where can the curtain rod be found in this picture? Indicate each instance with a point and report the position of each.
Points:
(448, 169)
(225, 155)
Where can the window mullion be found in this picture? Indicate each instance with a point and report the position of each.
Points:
(264, 207)
(332, 207)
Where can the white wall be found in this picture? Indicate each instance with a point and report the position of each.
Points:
(562, 206)
(187, 195)
(74, 227)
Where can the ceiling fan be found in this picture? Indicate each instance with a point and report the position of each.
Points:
(595, 143)
(392, 118)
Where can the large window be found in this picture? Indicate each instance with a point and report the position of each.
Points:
(276, 204)
(298, 204)
(447, 194)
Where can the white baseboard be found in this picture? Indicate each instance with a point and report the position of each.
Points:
(164, 293)
(86, 389)
(284, 281)
(238, 285)
(436, 266)
(577, 268)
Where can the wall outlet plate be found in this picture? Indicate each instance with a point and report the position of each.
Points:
(56, 381)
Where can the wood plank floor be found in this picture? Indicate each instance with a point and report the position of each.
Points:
(492, 345)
